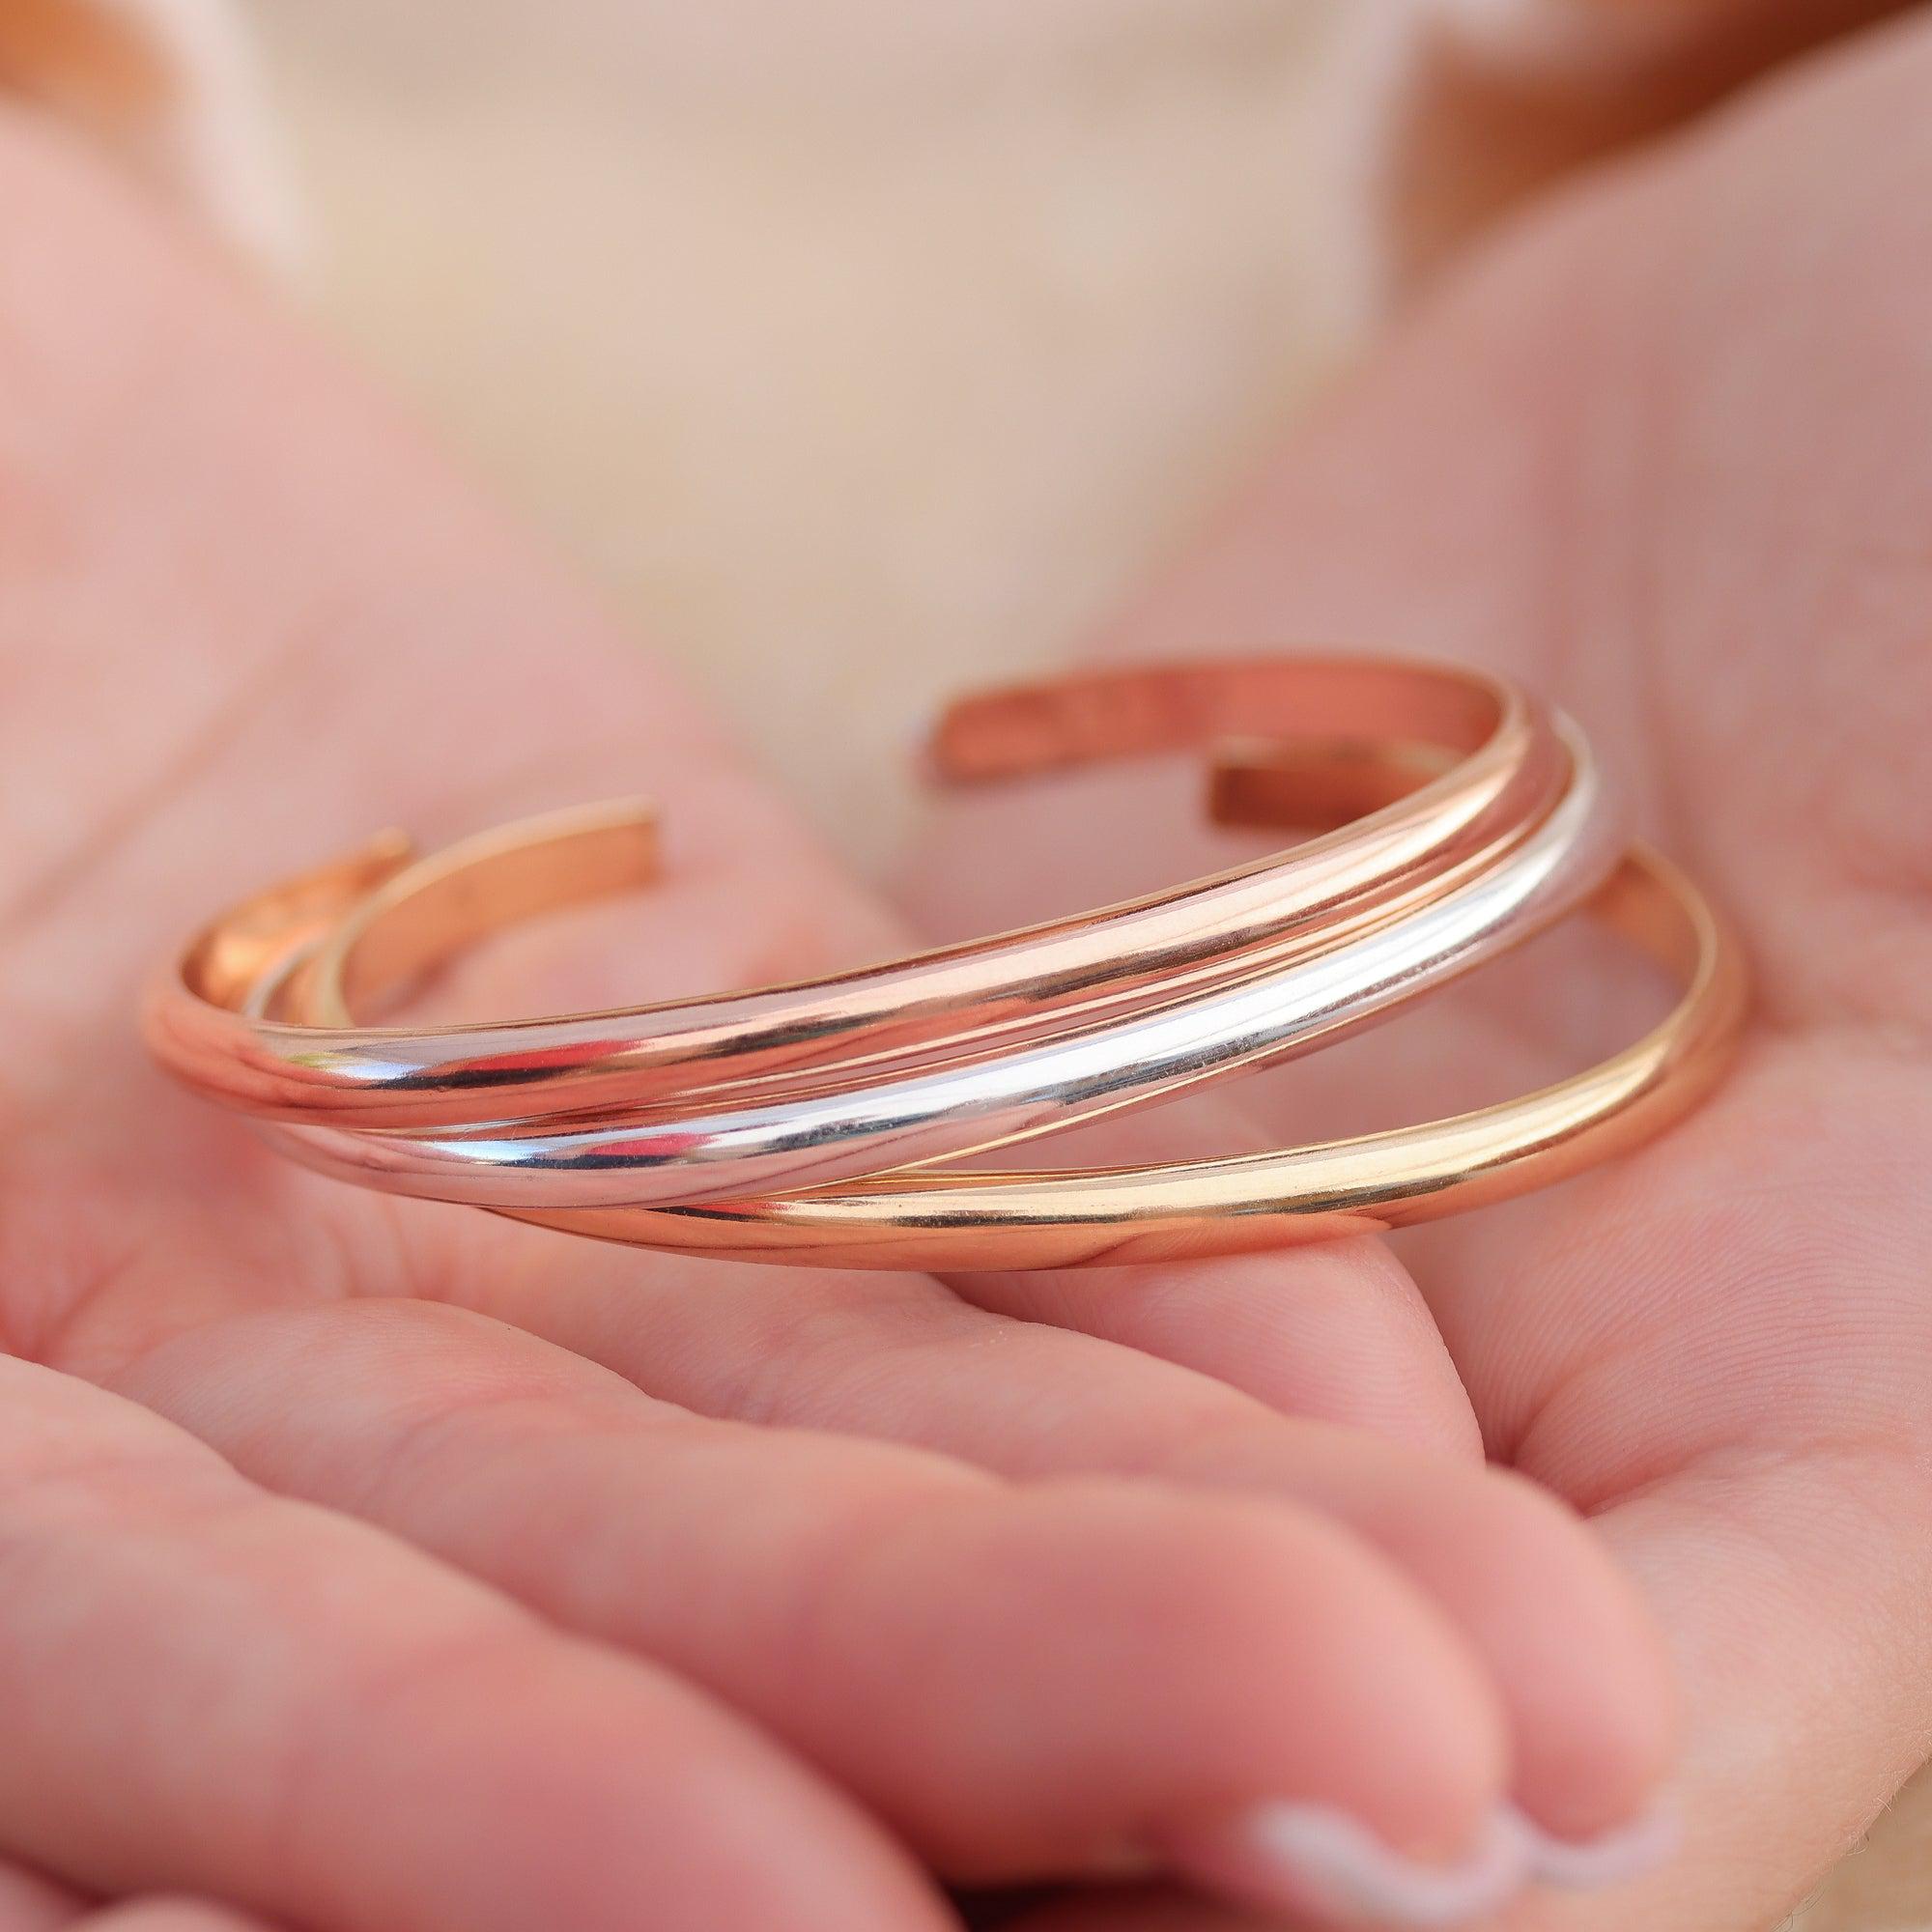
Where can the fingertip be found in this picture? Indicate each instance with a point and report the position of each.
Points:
(1565, 1636)
(1597, 1716)
(1617, 1857)
(1328, 1866)
(1356, 1697)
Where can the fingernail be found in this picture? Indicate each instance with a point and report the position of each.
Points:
(1310, 1858)
(1613, 1858)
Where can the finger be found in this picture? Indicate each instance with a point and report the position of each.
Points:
(210, 1688)
(1574, 1656)
(1022, 1680)
(1590, 1714)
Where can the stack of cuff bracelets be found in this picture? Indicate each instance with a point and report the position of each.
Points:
(825, 1121)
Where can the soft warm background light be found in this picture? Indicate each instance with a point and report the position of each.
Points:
(862, 350)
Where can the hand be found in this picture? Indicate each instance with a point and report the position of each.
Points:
(1662, 453)
(386, 1568)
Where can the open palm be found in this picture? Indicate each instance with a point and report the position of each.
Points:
(1662, 454)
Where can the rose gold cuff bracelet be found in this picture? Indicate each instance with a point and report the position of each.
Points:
(802, 1123)
(1509, 774)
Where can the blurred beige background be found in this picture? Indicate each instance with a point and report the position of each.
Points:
(861, 349)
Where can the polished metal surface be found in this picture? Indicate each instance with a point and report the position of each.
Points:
(818, 1123)
(1505, 772)
(709, 1154)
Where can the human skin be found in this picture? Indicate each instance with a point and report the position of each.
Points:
(308, 1492)
(1661, 451)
